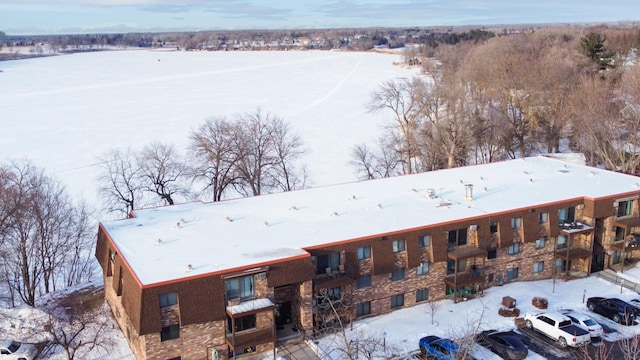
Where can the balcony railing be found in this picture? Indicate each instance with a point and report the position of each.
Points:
(474, 275)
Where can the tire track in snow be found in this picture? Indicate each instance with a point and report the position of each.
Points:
(331, 92)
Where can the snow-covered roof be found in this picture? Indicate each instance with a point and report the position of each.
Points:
(173, 242)
(250, 305)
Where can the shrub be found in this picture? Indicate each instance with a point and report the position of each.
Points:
(539, 302)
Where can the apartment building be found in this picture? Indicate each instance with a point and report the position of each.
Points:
(218, 280)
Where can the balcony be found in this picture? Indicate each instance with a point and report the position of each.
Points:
(474, 275)
(249, 338)
(333, 278)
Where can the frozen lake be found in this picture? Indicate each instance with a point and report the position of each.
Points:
(62, 112)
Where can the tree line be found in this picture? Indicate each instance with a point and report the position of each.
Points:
(511, 96)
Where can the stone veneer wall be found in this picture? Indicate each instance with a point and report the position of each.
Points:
(136, 342)
(196, 342)
(304, 302)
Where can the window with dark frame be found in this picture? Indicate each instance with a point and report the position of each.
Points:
(363, 281)
(422, 295)
(398, 246)
(170, 332)
(492, 253)
(562, 242)
(423, 268)
(168, 299)
(363, 309)
(566, 215)
(457, 237)
(397, 274)
(397, 301)
(516, 223)
(331, 261)
(239, 288)
(538, 267)
(543, 217)
(424, 241)
(493, 227)
(514, 248)
(512, 273)
(624, 208)
(540, 242)
(364, 252)
(247, 322)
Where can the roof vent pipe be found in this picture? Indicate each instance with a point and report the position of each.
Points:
(468, 196)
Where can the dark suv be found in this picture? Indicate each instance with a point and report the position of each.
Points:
(615, 309)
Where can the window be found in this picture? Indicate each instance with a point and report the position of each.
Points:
(364, 252)
(397, 301)
(624, 208)
(493, 228)
(543, 218)
(620, 233)
(241, 287)
(514, 248)
(562, 242)
(492, 253)
(398, 246)
(566, 215)
(363, 309)
(334, 293)
(170, 332)
(540, 242)
(516, 223)
(423, 268)
(424, 241)
(120, 283)
(112, 256)
(457, 237)
(242, 323)
(331, 261)
(422, 295)
(538, 267)
(364, 281)
(512, 273)
(397, 274)
(168, 299)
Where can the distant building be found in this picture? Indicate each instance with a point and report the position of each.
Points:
(191, 280)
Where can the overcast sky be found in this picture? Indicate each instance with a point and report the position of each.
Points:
(28, 17)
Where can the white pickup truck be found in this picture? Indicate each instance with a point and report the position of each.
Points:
(557, 327)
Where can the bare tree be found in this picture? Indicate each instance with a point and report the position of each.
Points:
(119, 181)
(405, 99)
(79, 329)
(332, 311)
(382, 161)
(432, 309)
(46, 237)
(162, 172)
(287, 148)
(212, 146)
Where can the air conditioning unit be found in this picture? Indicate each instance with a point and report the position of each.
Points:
(473, 227)
(262, 276)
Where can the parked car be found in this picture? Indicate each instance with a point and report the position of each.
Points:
(613, 308)
(586, 322)
(14, 350)
(438, 348)
(557, 327)
(505, 344)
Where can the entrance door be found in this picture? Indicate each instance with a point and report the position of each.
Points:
(283, 313)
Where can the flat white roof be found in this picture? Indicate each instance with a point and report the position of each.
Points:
(173, 242)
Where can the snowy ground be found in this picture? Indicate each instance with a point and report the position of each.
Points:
(405, 327)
